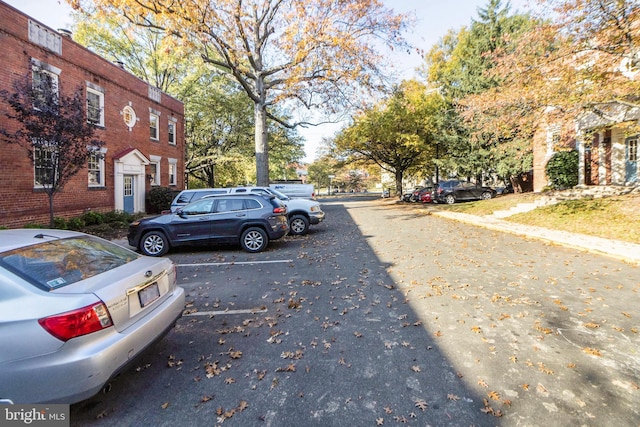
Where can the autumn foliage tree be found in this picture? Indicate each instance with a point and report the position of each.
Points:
(398, 134)
(53, 130)
(145, 52)
(311, 54)
(462, 66)
(583, 54)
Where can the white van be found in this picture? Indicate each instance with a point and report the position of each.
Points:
(295, 190)
(189, 196)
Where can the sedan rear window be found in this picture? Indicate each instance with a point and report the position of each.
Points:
(58, 263)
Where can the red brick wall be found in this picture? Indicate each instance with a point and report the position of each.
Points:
(20, 203)
(540, 159)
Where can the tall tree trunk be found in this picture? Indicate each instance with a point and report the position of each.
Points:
(51, 216)
(261, 138)
(398, 176)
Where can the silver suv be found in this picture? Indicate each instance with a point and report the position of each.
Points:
(301, 212)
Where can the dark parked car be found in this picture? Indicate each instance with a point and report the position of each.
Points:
(248, 219)
(406, 195)
(507, 189)
(454, 190)
(75, 310)
(416, 194)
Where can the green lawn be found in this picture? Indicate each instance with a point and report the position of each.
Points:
(612, 218)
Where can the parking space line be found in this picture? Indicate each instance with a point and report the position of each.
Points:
(235, 263)
(221, 312)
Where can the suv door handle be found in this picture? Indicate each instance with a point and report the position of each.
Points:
(240, 215)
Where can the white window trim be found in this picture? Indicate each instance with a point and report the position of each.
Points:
(173, 179)
(155, 160)
(633, 144)
(96, 90)
(173, 121)
(553, 138)
(42, 67)
(103, 152)
(154, 114)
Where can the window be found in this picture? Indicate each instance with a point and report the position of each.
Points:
(44, 163)
(200, 207)
(553, 139)
(632, 151)
(128, 185)
(154, 130)
(45, 86)
(96, 169)
(154, 169)
(129, 116)
(95, 105)
(171, 131)
(56, 263)
(252, 204)
(173, 171)
(229, 205)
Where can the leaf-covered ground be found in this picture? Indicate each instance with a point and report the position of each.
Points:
(611, 218)
(386, 316)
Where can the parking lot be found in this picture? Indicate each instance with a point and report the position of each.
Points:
(385, 316)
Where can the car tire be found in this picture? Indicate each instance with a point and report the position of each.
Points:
(486, 195)
(298, 225)
(154, 243)
(254, 239)
(449, 199)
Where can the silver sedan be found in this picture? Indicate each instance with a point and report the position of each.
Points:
(74, 311)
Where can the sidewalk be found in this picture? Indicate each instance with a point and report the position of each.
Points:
(625, 251)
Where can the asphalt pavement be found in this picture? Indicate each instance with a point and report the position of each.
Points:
(623, 251)
(388, 316)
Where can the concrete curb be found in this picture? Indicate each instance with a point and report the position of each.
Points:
(625, 251)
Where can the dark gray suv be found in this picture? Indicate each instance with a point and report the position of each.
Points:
(250, 220)
(452, 190)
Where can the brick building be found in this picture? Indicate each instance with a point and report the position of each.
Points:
(607, 143)
(142, 127)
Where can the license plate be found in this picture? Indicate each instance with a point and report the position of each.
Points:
(149, 294)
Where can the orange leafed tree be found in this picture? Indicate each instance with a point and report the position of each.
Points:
(303, 54)
(582, 54)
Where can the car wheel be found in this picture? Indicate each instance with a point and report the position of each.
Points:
(450, 199)
(154, 243)
(486, 195)
(254, 239)
(299, 225)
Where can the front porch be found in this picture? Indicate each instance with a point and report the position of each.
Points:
(607, 143)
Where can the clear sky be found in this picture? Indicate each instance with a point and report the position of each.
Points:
(433, 19)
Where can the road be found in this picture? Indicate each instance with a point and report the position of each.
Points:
(384, 315)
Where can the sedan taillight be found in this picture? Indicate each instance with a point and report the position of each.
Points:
(83, 321)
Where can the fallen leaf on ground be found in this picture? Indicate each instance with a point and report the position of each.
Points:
(592, 351)
(421, 404)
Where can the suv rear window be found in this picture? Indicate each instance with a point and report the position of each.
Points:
(58, 263)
